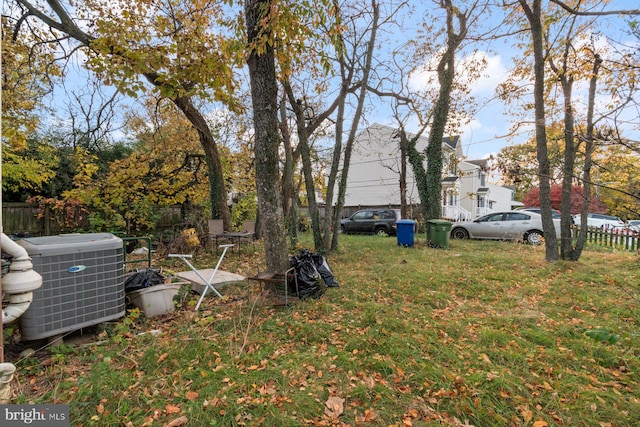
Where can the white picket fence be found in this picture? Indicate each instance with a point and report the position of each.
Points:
(620, 238)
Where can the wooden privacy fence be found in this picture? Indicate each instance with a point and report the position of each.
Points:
(619, 238)
(24, 219)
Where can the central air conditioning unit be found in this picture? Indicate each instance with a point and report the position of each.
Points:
(82, 283)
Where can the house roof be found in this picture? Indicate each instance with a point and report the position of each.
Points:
(449, 142)
(450, 182)
(482, 163)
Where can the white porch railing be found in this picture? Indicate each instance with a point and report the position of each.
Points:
(455, 213)
(482, 211)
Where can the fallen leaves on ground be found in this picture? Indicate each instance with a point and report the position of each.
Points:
(334, 407)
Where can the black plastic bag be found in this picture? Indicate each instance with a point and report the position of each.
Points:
(143, 279)
(308, 277)
(325, 272)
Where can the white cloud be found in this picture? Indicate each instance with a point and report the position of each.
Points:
(492, 73)
(470, 127)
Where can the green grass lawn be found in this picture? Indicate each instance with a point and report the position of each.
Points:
(483, 334)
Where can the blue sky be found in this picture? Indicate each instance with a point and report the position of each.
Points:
(486, 133)
(493, 122)
(489, 129)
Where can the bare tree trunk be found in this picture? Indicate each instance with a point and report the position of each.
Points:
(333, 215)
(403, 179)
(342, 186)
(264, 94)
(588, 153)
(305, 153)
(570, 147)
(566, 235)
(533, 14)
(289, 199)
(217, 190)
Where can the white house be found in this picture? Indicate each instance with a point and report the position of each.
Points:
(374, 177)
(476, 195)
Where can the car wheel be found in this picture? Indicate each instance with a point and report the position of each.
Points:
(459, 233)
(381, 231)
(533, 237)
(342, 229)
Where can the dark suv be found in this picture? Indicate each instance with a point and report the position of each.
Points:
(378, 221)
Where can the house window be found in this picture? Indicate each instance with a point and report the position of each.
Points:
(481, 176)
(453, 164)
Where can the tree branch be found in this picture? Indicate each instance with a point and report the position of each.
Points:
(66, 24)
(389, 94)
(603, 13)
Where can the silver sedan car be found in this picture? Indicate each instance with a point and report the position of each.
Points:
(510, 225)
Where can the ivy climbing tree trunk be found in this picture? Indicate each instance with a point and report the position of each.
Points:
(264, 95)
(431, 179)
(432, 206)
(416, 160)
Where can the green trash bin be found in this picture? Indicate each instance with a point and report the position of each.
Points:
(438, 231)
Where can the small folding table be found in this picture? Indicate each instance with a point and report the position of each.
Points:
(208, 283)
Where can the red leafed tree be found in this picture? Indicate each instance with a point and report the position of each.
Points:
(532, 198)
